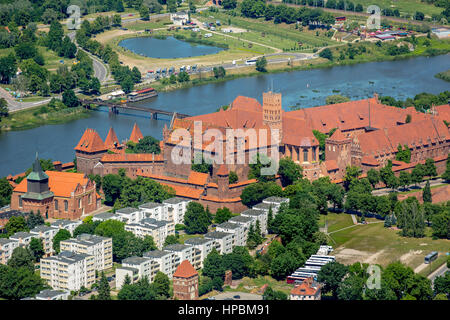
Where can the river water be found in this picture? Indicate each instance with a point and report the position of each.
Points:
(400, 79)
(169, 48)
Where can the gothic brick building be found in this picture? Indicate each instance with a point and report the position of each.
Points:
(185, 282)
(55, 194)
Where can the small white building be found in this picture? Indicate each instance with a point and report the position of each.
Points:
(179, 18)
(23, 238)
(204, 245)
(168, 261)
(106, 216)
(245, 222)
(154, 210)
(260, 215)
(185, 252)
(157, 229)
(52, 295)
(144, 266)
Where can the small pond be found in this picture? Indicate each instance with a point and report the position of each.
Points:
(169, 48)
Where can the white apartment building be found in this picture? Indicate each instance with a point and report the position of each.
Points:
(98, 247)
(68, 271)
(158, 230)
(184, 252)
(145, 268)
(154, 210)
(65, 224)
(167, 260)
(7, 247)
(223, 241)
(176, 208)
(23, 238)
(46, 234)
(260, 215)
(130, 215)
(236, 229)
(276, 202)
(245, 222)
(106, 216)
(204, 245)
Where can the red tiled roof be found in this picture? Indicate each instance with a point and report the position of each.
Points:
(331, 165)
(136, 134)
(305, 288)
(223, 170)
(90, 142)
(443, 112)
(369, 160)
(185, 270)
(338, 136)
(61, 183)
(111, 140)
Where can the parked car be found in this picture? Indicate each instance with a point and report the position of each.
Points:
(237, 296)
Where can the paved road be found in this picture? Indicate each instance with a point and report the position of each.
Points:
(385, 191)
(15, 105)
(439, 272)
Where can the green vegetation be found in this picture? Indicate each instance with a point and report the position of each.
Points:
(148, 144)
(444, 75)
(196, 218)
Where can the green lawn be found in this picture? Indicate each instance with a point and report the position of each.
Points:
(335, 221)
(259, 282)
(404, 6)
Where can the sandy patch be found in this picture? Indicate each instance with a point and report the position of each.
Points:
(104, 37)
(350, 256)
(374, 257)
(234, 29)
(407, 257)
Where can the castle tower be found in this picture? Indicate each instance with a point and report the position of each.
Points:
(338, 148)
(111, 140)
(185, 282)
(272, 112)
(223, 182)
(89, 150)
(136, 134)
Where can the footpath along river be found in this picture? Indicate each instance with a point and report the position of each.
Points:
(400, 79)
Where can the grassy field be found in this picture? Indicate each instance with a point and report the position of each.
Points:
(445, 75)
(282, 36)
(335, 221)
(372, 243)
(404, 6)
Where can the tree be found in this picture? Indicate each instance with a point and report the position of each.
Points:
(351, 288)
(16, 224)
(219, 72)
(374, 177)
(8, 68)
(70, 99)
(19, 283)
(261, 64)
(331, 276)
(256, 192)
(419, 16)
(95, 85)
(404, 179)
(162, 285)
(34, 220)
(22, 258)
(270, 294)
(61, 235)
(327, 54)
(403, 153)
(289, 171)
(430, 168)
(229, 4)
(441, 224)
(336, 98)
(351, 175)
(442, 285)
(426, 193)
(37, 249)
(5, 189)
(141, 290)
(104, 291)
(446, 174)
(417, 174)
(283, 265)
(172, 239)
(233, 177)
(144, 12)
(195, 219)
(213, 266)
(183, 77)
(222, 215)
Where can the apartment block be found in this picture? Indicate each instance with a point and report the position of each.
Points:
(106, 216)
(98, 247)
(176, 208)
(130, 215)
(7, 247)
(260, 215)
(204, 245)
(236, 229)
(46, 234)
(167, 260)
(65, 224)
(145, 267)
(157, 229)
(245, 222)
(185, 252)
(23, 238)
(68, 270)
(223, 241)
(155, 210)
(276, 202)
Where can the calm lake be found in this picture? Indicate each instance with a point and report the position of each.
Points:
(169, 48)
(400, 79)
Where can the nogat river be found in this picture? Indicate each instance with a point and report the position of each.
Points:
(400, 79)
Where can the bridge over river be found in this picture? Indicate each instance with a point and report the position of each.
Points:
(114, 108)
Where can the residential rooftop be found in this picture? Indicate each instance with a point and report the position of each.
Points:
(42, 228)
(196, 240)
(241, 219)
(217, 235)
(22, 235)
(274, 199)
(156, 254)
(262, 206)
(175, 200)
(134, 260)
(229, 225)
(151, 205)
(127, 210)
(176, 247)
(253, 212)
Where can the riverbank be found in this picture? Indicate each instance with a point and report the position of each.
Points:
(443, 75)
(40, 116)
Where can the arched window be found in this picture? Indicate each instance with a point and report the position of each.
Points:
(56, 204)
(305, 155)
(66, 205)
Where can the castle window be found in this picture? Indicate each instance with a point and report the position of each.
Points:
(20, 202)
(66, 205)
(305, 155)
(79, 203)
(56, 204)
(90, 198)
(314, 154)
